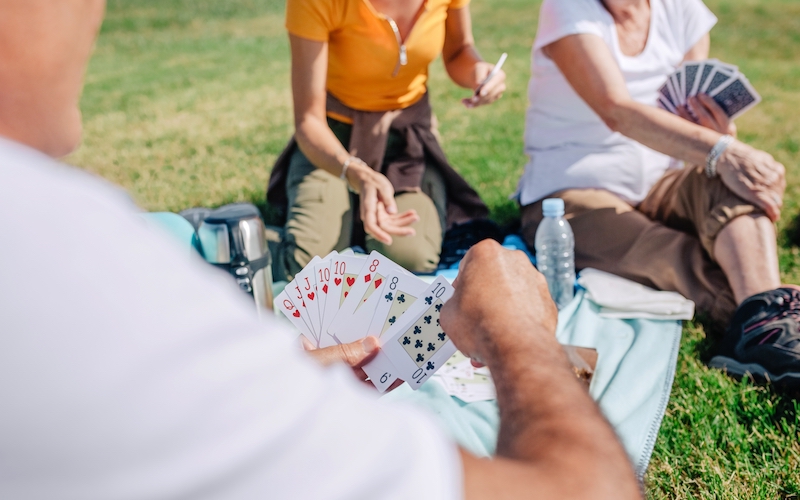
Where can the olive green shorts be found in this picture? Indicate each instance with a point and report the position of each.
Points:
(320, 215)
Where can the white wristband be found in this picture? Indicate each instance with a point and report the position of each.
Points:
(715, 153)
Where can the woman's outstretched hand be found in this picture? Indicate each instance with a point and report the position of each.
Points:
(378, 208)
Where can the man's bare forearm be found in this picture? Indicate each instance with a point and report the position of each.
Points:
(553, 441)
(549, 421)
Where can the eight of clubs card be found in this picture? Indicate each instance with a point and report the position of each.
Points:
(398, 294)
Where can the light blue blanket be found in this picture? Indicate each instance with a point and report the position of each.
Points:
(632, 382)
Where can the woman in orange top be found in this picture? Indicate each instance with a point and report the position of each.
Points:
(359, 82)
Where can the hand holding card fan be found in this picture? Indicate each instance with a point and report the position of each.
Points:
(729, 88)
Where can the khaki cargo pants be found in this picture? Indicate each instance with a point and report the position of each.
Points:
(320, 215)
(667, 242)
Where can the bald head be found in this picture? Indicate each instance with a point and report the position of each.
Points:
(44, 49)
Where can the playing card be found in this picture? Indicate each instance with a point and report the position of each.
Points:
(718, 77)
(416, 345)
(736, 96)
(664, 103)
(299, 289)
(343, 273)
(470, 390)
(703, 73)
(370, 279)
(322, 275)
(295, 315)
(690, 73)
(675, 82)
(306, 285)
(674, 90)
(399, 292)
(357, 326)
(667, 96)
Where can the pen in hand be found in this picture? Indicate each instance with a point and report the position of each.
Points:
(491, 74)
(472, 101)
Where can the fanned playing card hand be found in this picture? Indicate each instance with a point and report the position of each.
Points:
(729, 88)
(343, 298)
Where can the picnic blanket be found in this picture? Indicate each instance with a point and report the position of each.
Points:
(631, 384)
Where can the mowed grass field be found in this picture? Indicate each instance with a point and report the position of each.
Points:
(187, 103)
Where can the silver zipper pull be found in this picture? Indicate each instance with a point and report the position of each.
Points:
(403, 55)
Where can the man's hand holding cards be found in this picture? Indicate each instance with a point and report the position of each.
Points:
(340, 299)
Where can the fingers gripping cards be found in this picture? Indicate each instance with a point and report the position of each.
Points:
(729, 88)
(343, 298)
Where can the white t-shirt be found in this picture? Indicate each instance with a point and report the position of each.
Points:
(130, 371)
(567, 143)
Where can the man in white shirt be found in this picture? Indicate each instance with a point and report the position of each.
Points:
(127, 371)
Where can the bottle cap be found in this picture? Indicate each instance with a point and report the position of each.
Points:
(553, 207)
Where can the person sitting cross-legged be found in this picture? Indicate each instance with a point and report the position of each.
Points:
(596, 139)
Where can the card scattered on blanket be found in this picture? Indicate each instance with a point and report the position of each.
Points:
(722, 82)
(342, 298)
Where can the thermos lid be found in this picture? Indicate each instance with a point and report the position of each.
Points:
(232, 212)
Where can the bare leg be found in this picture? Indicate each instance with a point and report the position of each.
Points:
(747, 251)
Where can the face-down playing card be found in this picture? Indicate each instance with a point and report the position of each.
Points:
(736, 96)
(703, 73)
(691, 70)
(416, 346)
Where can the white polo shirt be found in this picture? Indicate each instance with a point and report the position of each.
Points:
(128, 371)
(567, 143)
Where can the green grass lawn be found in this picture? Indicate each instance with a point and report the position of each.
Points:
(188, 103)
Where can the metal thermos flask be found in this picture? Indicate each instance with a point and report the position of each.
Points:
(232, 238)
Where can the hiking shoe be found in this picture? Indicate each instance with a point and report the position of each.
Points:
(763, 339)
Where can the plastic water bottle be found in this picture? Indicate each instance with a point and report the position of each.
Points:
(555, 252)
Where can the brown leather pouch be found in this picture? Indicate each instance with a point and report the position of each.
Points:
(583, 361)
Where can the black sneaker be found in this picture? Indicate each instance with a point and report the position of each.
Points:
(763, 339)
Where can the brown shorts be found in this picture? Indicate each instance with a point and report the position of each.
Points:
(667, 242)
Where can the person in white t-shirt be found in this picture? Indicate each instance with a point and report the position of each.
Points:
(595, 138)
(128, 371)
